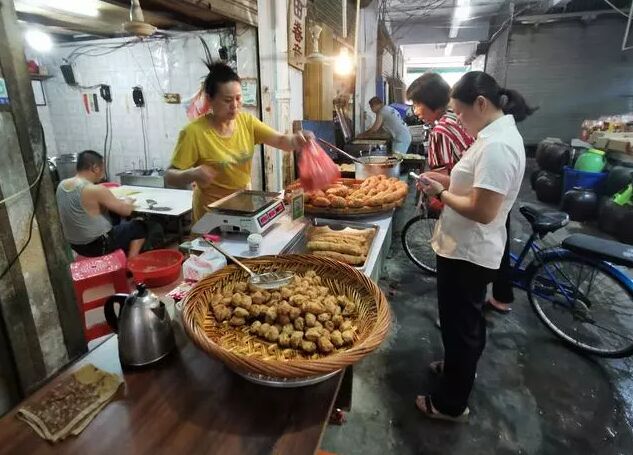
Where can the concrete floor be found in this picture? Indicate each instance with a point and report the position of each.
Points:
(532, 394)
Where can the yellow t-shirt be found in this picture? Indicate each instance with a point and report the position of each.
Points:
(231, 157)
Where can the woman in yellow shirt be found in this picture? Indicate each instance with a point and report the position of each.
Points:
(216, 150)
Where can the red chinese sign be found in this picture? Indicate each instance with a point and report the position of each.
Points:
(297, 10)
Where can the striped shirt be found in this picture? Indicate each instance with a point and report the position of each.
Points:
(448, 142)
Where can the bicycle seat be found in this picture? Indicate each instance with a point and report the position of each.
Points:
(544, 221)
(597, 248)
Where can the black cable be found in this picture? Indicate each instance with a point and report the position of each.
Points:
(105, 142)
(109, 114)
(97, 50)
(35, 201)
(145, 150)
(149, 50)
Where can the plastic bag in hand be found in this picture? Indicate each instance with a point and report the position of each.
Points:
(316, 168)
(198, 105)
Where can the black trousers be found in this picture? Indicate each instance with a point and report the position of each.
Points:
(461, 290)
(119, 237)
(502, 285)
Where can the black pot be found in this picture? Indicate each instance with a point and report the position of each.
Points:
(619, 159)
(618, 178)
(553, 156)
(625, 227)
(548, 187)
(581, 204)
(610, 215)
(534, 175)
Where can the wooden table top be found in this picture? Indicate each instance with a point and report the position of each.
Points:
(187, 404)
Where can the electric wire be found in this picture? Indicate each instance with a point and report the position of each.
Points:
(38, 182)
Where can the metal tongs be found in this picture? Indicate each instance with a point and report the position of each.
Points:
(269, 280)
(336, 149)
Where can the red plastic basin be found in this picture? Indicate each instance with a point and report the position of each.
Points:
(156, 268)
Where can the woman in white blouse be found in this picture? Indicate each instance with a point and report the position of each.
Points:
(470, 236)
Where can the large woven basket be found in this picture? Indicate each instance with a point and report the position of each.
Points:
(245, 353)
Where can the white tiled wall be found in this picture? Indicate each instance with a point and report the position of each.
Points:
(177, 67)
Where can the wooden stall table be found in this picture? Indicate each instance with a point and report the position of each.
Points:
(187, 404)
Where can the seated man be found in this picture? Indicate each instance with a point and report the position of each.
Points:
(389, 118)
(83, 209)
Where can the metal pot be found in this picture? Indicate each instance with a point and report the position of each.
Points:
(377, 165)
(66, 165)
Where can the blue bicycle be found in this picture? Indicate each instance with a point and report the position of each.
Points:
(578, 290)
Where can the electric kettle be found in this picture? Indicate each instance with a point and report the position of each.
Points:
(143, 325)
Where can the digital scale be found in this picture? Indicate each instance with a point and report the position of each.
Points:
(246, 211)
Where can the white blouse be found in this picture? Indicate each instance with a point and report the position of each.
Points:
(495, 162)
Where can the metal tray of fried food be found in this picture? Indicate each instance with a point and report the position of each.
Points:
(299, 244)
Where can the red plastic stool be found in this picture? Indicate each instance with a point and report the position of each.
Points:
(91, 273)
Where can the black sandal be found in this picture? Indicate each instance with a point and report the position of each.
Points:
(429, 412)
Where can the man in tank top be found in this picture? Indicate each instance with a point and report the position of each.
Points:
(84, 209)
(389, 119)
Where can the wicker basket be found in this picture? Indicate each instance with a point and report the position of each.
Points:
(245, 353)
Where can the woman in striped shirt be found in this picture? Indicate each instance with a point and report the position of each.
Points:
(448, 140)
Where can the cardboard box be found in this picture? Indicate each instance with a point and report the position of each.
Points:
(615, 142)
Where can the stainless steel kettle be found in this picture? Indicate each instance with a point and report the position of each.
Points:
(143, 325)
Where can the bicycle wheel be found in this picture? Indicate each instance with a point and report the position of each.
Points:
(585, 303)
(416, 242)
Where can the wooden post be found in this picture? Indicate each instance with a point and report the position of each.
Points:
(31, 149)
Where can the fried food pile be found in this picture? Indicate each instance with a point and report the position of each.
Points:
(305, 315)
(373, 192)
(350, 246)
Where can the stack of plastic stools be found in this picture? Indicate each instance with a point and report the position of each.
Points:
(94, 276)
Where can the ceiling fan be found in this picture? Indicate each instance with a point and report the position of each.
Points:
(137, 25)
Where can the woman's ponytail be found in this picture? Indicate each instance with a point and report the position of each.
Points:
(513, 103)
(478, 83)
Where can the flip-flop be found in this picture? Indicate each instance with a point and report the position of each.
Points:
(489, 306)
(427, 410)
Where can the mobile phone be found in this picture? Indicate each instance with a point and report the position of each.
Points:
(421, 178)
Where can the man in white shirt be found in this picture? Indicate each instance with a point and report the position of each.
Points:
(389, 118)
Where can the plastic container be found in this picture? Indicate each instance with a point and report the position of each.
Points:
(592, 160)
(156, 268)
(254, 242)
(573, 178)
(624, 196)
(401, 108)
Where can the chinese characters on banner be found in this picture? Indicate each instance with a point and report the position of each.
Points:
(297, 10)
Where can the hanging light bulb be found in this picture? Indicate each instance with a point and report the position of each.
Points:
(344, 63)
(38, 40)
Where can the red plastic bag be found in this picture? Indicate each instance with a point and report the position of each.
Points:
(316, 168)
(199, 105)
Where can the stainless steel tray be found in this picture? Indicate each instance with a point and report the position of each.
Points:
(298, 244)
(284, 383)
